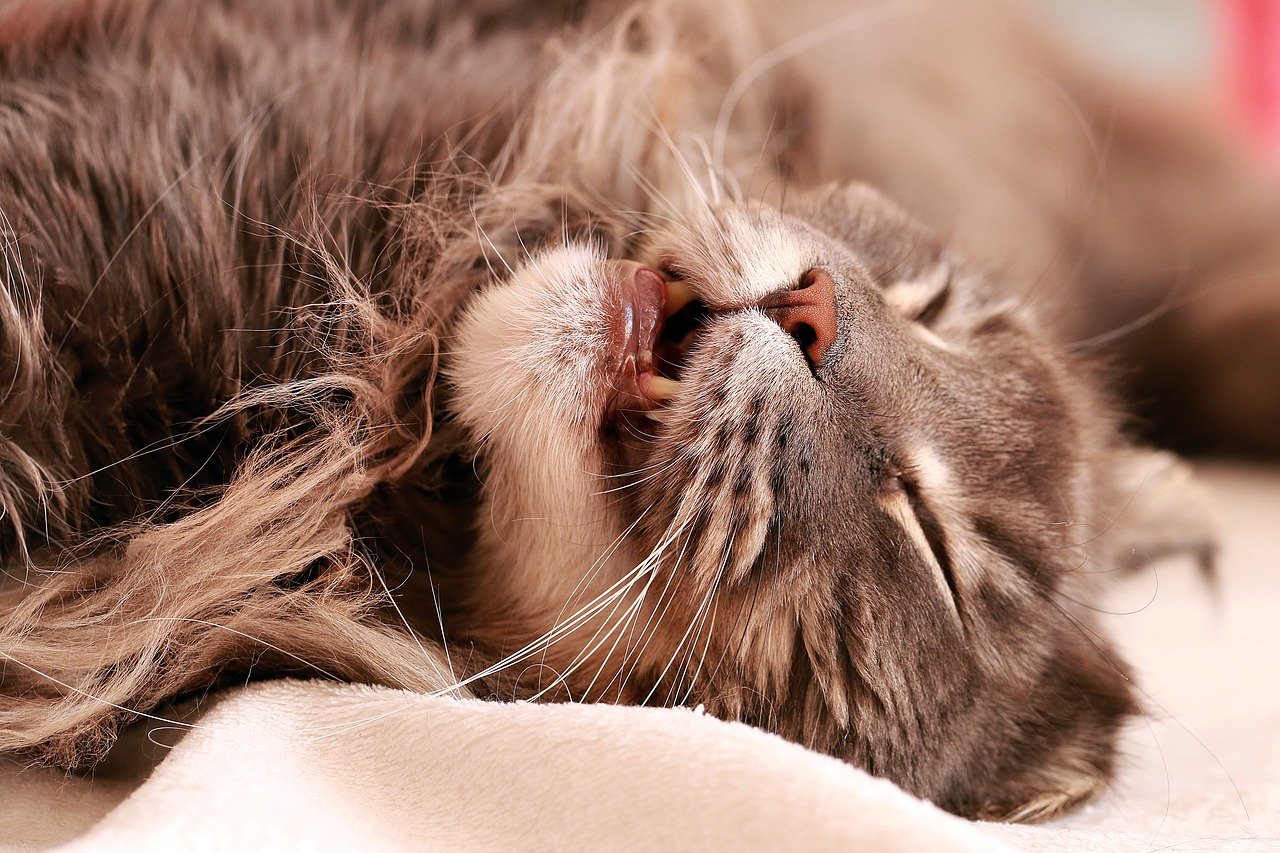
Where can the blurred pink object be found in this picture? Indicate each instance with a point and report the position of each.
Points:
(1251, 49)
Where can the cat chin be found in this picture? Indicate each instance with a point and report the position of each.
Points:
(530, 352)
(531, 377)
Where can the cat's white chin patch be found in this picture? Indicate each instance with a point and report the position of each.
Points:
(539, 363)
(561, 345)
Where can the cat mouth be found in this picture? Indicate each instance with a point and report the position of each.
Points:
(656, 325)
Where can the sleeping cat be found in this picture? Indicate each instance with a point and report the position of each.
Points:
(515, 350)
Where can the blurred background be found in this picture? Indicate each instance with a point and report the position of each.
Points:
(1228, 51)
(1175, 38)
(1231, 46)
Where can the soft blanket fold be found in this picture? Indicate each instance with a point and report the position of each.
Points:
(326, 766)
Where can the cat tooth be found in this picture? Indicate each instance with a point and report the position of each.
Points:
(679, 294)
(661, 388)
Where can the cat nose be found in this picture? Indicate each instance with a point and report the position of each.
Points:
(807, 313)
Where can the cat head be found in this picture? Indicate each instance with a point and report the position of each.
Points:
(815, 472)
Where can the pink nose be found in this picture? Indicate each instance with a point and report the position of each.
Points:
(807, 313)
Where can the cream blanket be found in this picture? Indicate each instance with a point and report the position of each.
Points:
(295, 765)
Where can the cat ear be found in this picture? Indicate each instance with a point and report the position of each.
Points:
(1161, 510)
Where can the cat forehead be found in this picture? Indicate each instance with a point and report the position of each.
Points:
(739, 254)
(742, 253)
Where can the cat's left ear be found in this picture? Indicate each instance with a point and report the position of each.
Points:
(1161, 510)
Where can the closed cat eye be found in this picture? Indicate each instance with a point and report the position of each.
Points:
(936, 305)
(899, 487)
(923, 299)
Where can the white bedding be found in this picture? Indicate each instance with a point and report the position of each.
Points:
(322, 766)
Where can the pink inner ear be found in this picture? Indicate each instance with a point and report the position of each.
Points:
(1251, 50)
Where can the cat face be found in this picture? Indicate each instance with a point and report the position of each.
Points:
(813, 472)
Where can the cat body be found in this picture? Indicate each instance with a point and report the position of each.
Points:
(512, 350)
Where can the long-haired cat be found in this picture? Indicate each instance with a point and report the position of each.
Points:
(514, 349)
